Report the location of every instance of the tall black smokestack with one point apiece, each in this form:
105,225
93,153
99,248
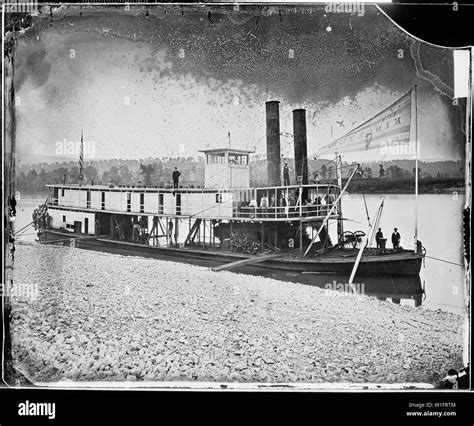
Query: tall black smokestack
273,143
301,149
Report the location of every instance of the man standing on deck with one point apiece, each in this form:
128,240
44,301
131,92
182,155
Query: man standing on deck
396,239
379,238
176,175
286,175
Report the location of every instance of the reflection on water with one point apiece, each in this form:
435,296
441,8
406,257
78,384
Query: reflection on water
400,289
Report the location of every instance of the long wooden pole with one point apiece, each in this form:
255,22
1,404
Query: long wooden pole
366,238
340,225
331,210
300,198
416,167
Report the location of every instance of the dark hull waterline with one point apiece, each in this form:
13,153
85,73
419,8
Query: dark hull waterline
336,262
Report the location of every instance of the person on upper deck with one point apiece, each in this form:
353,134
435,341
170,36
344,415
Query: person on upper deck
331,197
253,203
272,205
264,205
281,206
286,175
176,175
308,208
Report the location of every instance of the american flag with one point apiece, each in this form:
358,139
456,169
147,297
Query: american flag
81,158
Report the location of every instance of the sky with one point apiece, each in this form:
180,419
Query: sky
172,84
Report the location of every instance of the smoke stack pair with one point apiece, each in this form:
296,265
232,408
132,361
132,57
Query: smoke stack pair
273,144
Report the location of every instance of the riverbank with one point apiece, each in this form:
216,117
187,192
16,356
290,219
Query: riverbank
406,186
95,316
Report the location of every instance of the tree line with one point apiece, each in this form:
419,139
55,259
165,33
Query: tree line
157,172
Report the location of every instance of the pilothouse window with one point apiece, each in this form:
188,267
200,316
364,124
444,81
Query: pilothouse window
239,159
216,158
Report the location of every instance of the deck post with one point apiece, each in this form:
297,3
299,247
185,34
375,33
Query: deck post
111,218
301,236
204,233
176,230
275,207
213,236
262,237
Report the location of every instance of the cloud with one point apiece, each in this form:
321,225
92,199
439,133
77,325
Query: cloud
145,87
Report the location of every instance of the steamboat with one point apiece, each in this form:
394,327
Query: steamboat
228,224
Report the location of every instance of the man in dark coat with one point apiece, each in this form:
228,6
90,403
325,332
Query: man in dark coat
176,175
379,238
286,175
396,239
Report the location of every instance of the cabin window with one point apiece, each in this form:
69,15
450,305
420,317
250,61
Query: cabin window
239,159
178,204
218,198
102,203
62,192
129,202
160,203
142,203
216,158
64,219
88,198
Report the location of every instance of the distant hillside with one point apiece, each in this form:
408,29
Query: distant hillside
395,170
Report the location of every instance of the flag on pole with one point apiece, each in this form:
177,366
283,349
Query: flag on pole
388,132
81,158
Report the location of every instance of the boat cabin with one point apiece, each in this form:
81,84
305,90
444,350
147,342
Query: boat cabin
74,203
226,168
226,196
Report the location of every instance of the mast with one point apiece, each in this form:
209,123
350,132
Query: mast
81,158
416,166
340,228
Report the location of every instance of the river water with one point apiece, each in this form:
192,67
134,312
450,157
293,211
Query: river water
440,285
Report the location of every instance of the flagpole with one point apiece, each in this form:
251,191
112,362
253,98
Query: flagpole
416,167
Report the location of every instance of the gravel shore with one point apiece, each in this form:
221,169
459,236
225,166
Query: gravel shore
98,316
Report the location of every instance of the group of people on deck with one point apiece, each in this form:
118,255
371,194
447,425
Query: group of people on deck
380,240
286,205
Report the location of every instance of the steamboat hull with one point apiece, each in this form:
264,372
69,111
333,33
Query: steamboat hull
405,262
